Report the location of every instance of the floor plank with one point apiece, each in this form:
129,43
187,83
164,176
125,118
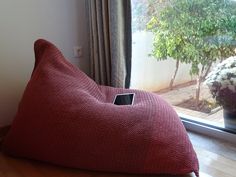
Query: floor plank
14,167
217,161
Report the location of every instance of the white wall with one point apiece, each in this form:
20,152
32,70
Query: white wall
148,73
62,22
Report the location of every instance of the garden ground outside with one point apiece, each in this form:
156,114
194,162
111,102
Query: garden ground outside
181,94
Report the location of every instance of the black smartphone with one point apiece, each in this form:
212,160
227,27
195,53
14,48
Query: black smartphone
124,99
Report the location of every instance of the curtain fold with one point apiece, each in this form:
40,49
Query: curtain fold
110,41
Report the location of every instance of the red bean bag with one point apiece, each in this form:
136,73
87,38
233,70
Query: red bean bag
65,118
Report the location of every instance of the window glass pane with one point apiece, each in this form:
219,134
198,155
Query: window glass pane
176,44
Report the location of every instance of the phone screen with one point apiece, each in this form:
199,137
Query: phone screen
124,99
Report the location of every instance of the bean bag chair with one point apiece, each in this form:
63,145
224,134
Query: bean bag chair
65,118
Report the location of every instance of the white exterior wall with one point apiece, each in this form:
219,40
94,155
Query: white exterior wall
148,73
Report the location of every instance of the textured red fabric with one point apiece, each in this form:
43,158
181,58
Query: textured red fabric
67,119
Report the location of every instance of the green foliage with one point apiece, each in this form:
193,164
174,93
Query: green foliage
139,15
143,11
197,32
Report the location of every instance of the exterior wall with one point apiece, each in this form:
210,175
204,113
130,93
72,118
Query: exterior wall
62,22
148,73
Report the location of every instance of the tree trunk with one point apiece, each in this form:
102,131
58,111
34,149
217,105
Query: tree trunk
198,86
198,90
175,73
221,59
207,70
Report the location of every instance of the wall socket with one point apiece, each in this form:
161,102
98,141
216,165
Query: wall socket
78,51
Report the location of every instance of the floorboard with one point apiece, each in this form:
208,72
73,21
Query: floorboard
217,159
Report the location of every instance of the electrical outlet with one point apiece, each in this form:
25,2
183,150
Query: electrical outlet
78,51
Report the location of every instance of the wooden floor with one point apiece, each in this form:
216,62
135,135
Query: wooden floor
217,159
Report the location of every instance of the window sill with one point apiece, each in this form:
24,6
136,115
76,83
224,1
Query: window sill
208,128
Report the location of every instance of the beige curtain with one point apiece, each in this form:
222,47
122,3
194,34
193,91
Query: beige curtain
110,41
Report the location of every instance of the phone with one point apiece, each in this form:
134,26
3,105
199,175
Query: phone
124,99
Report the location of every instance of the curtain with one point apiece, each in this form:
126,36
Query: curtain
110,41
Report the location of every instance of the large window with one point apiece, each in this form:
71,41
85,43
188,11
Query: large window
176,44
